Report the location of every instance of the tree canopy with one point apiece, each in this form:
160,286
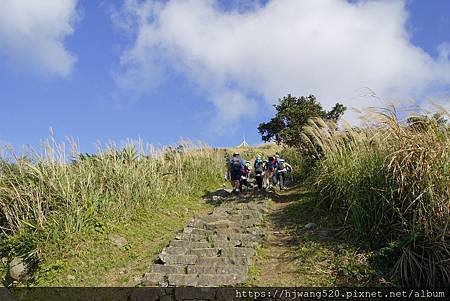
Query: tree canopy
292,115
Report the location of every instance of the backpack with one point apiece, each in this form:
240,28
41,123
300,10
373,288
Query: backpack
235,164
271,164
281,165
259,166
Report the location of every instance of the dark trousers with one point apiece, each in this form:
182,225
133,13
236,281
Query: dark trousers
259,180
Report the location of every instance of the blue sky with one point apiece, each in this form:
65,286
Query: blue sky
205,70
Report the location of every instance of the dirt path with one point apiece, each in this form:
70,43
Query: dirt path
279,267
277,264
295,255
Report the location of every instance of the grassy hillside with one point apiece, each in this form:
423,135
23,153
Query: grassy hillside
57,212
390,183
385,187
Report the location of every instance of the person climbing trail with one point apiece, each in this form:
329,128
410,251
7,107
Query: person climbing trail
236,166
269,172
259,171
245,175
275,165
282,169
248,168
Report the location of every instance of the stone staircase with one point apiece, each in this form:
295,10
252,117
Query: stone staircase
214,249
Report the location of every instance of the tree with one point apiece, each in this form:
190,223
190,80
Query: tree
292,115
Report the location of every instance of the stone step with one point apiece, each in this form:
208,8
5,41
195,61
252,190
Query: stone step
219,269
194,237
182,279
242,218
189,244
168,269
197,223
169,259
175,250
205,252
222,224
205,280
237,252
197,231
237,238
219,261
230,251
203,219
208,280
153,279
214,249
217,243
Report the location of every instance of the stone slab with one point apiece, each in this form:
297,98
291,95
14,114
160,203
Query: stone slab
205,252
216,261
219,269
168,269
207,280
237,252
178,259
189,244
153,279
182,280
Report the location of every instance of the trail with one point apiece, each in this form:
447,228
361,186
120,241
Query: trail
259,239
278,265
214,249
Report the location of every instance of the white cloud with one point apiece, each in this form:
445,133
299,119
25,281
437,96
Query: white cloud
32,34
329,48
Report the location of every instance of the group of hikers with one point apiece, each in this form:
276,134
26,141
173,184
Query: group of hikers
268,172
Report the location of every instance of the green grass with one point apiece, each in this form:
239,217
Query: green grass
93,261
254,271
331,261
334,264
57,213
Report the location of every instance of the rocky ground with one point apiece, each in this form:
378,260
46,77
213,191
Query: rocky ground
214,249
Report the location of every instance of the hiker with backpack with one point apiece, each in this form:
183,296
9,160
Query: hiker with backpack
246,171
269,172
281,170
259,171
236,167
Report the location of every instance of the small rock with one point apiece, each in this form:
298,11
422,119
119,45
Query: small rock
117,240
18,269
70,277
310,226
